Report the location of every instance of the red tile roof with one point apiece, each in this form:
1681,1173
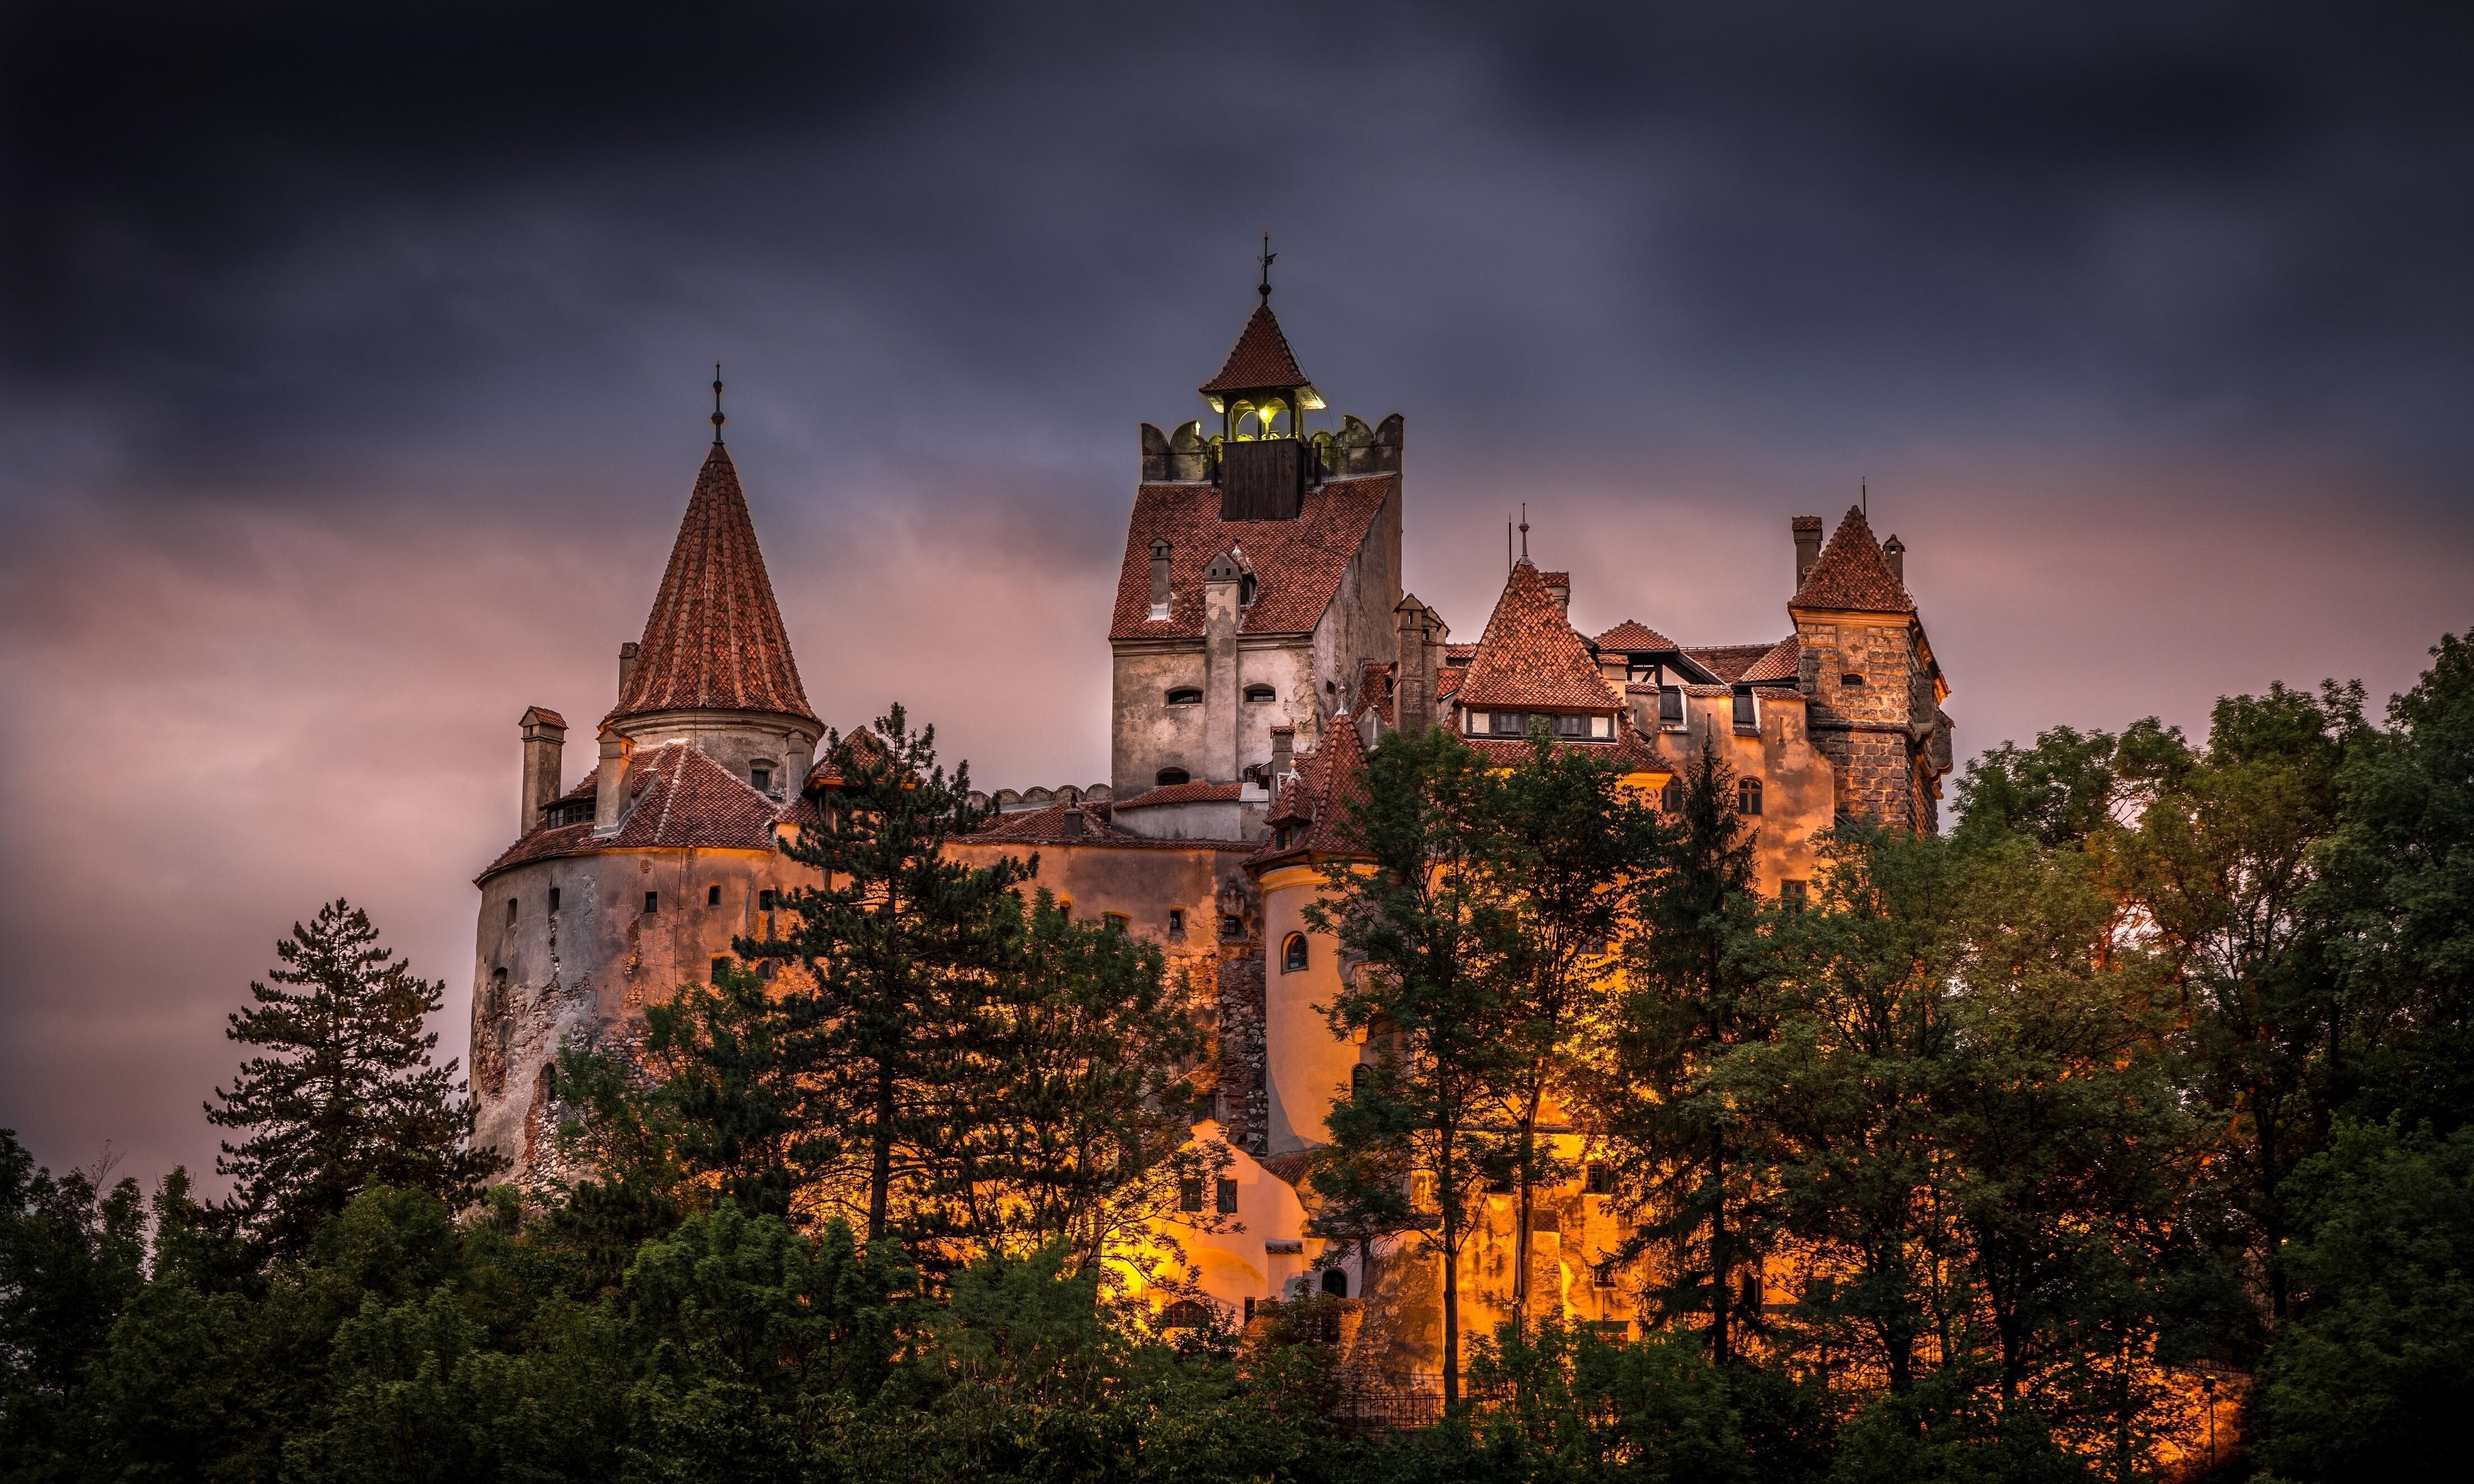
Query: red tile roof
679,800
1727,662
1183,794
1297,564
1531,656
1374,690
1259,360
1851,576
1329,781
714,640
1630,635
1048,827
1459,654
1780,663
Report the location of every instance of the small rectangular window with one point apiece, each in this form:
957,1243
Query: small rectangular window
1232,927
1177,919
1747,718
553,901
1791,895
1599,1180
712,896
511,911
1117,922
1479,722
719,964
1189,1195
1227,1202
1603,1274
1602,727
765,901
1510,723
762,777
652,901
1670,705
1571,726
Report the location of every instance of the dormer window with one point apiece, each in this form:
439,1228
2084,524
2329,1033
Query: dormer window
760,777
1748,715
1671,707
1258,695
1245,591
1185,695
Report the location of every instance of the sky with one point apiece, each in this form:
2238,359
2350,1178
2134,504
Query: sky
356,363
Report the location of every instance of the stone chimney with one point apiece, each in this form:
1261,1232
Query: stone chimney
1161,595
610,783
1220,616
1073,824
1895,552
545,733
1284,756
1558,585
626,664
1807,546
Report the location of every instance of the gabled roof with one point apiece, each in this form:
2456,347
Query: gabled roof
1297,564
1530,654
1259,360
714,640
1635,637
1851,576
1728,662
679,800
1780,663
1184,793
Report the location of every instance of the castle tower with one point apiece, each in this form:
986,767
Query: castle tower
1873,688
640,878
1262,565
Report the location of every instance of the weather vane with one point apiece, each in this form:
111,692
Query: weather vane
1265,287
717,417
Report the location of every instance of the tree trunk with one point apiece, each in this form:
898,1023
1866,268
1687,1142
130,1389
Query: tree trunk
880,1174
1721,1258
1445,1203
1526,1194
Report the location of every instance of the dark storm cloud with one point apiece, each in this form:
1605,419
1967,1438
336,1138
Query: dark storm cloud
351,364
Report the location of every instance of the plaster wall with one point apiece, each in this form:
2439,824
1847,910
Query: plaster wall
1799,784
733,739
1241,1263
1306,1066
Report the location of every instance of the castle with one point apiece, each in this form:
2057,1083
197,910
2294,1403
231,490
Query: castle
1261,642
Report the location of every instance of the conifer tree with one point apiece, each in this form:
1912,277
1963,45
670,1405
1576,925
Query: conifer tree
1684,1008
902,946
1438,949
343,1095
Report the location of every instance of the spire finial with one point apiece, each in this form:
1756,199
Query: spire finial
717,417
1524,530
1264,288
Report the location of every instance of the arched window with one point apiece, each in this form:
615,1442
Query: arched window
1748,796
1671,797
1259,694
1171,775
1185,695
1335,1283
1184,1314
1292,953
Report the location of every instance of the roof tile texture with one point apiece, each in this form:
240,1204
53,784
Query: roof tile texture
1259,360
679,800
1851,576
1297,564
1530,654
1630,635
714,640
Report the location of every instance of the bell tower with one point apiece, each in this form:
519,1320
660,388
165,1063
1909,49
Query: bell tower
1261,399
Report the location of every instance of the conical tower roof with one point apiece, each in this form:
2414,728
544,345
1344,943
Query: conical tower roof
714,640
1259,360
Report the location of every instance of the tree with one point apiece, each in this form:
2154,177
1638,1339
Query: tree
899,948
1072,1123
70,1261
1436,944
1563,847
1684,1005
346,1096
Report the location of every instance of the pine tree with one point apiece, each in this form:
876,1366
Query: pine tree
344,1096
902,948
1412,1149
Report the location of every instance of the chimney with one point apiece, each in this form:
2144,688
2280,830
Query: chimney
1807,546
610,783
1413,682
1558,585
1895,552
545,733
1221,577
626,664
1284,759
1073,824
1160,593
